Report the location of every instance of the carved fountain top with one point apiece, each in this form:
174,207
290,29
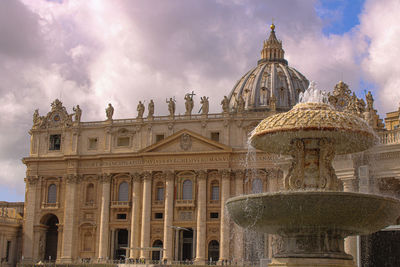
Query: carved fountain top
348,132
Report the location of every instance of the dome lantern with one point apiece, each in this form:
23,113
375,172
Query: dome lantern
272,85
272,49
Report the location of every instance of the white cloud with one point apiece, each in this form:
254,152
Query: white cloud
381,30
95,52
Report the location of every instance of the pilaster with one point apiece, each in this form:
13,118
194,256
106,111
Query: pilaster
201,218
238,245
146,215
105,179
168,216
69,218
135,219
224,228
28,233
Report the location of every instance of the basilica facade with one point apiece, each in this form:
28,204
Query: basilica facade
154,187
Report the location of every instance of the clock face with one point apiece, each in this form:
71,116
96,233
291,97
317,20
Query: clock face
56,118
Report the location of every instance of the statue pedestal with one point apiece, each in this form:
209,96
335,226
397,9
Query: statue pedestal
310,262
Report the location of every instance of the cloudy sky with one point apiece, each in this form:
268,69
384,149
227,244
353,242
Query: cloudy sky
94,52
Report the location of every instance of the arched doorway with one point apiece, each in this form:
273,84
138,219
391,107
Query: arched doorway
48,242
213,250
156,254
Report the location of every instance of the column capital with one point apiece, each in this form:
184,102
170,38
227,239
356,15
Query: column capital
32,180
239,174
105,178
146,176
225,173
169,175
201,174
73,178
135,176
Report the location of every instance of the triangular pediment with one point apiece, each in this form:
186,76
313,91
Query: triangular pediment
186,141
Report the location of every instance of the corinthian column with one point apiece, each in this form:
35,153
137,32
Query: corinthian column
201,218
224,239
238,247
168,216
105,179
146,215
69,218
29,218
135,219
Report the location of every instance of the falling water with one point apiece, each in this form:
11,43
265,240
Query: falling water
313,95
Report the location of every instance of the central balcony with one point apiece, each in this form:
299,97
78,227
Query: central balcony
120,204
185,203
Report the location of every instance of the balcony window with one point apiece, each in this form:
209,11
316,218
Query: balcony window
214,192
123,192
52,194
187,190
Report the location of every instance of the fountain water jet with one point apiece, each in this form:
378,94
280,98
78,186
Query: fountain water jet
313,216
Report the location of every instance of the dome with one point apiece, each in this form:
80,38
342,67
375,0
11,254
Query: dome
272,84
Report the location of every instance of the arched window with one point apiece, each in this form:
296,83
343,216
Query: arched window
187,190
156,253
90,193
52,194
160,191
213,250
214,190
256,186
123,192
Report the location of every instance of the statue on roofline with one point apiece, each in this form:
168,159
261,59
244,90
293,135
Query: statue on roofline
151,109
140,110
109,111
78,113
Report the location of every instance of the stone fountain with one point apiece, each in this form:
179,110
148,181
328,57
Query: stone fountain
313,215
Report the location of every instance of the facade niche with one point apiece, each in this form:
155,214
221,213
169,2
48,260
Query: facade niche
90,193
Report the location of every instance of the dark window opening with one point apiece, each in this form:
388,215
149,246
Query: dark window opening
121,216
8,250
123,141
214,215
158,215
215,136
159,137
92,143
55,142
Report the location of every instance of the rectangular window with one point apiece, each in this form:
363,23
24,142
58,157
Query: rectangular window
92,143
55,142
215,136
215,192
159,137
160,193
123,141
158,215
121,216
214,215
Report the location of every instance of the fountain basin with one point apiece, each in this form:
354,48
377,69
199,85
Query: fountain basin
351,213
348,132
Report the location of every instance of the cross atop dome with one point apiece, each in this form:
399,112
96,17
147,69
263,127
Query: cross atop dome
272,50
